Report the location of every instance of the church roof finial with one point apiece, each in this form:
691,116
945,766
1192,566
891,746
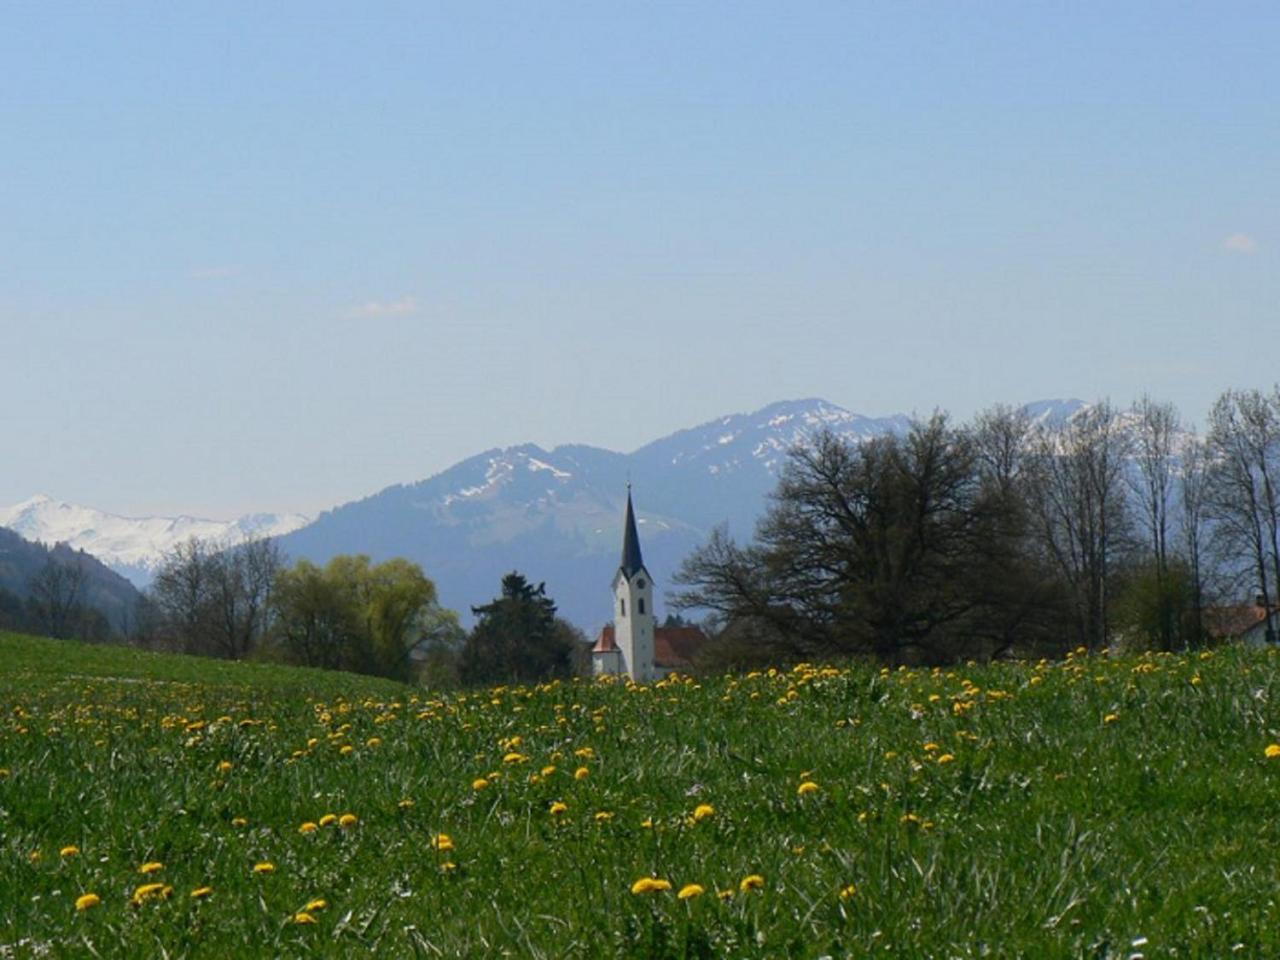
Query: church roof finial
631,559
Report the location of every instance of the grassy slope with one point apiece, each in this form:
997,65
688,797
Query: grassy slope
1053,831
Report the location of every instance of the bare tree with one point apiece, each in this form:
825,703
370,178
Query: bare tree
1242,494
1078,499
55,596
1192,474
1157,428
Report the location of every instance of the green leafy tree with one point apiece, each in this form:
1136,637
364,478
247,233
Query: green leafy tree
516,638
352,614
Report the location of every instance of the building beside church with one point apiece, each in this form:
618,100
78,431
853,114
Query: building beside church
634,644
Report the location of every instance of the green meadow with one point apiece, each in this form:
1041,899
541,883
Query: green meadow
157,805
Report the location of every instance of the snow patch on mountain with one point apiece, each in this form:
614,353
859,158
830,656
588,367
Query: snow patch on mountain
132,546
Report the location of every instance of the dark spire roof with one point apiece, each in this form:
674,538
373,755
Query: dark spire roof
631,559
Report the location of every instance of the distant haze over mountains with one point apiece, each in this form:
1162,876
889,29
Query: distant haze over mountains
554,515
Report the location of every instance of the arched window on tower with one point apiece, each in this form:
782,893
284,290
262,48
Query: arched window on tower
641,602
622,607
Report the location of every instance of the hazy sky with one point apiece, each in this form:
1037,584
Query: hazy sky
273,256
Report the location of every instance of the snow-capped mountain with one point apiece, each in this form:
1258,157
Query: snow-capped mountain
132,546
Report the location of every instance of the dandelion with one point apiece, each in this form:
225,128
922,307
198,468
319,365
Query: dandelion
807,788
264,867
308,827
1272,751
442,842
71,850
603,816
946,758
1111,718
585,753
328,820
302,917
405,804
702,811
724,894
87,901
150,891
558,808
848,892
650,885
224,766
581,773
346,749
514,757
690,890
348,820
479,783
647,823
373,742
239,822
315,905
752,881
199,893
151,866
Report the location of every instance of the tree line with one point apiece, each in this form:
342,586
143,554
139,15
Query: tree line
1004,536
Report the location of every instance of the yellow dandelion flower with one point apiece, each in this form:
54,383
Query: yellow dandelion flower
690,890
1111,718
308,827
1272,751
647,823
150,891
603,816
581,773
264,867
405,804
373,742
946,758
199,893
930,747
442,842
558,808
71,850
585,753
447,866
479,783
514,757
151,866
752,881
702,811
224,766
548,770
348,820
650,885
328,820
724,894
346,749
239,822
807,788
303,917
87,901
848,892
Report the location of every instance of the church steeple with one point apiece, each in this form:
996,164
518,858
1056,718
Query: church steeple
632,562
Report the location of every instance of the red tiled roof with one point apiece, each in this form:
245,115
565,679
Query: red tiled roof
1224,622
673,647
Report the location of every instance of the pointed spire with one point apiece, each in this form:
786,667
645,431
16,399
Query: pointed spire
631,559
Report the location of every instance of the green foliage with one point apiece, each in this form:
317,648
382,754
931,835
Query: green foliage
355,615
1062,810
1155,609
516,638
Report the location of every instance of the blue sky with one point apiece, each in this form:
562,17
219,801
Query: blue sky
277,256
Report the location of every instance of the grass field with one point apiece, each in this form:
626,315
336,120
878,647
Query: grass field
1090,808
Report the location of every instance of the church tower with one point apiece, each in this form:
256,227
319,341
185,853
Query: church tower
633,621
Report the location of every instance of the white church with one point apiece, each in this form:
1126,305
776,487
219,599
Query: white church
634,645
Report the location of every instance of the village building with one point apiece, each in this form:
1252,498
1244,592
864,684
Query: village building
634,645
1246,623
